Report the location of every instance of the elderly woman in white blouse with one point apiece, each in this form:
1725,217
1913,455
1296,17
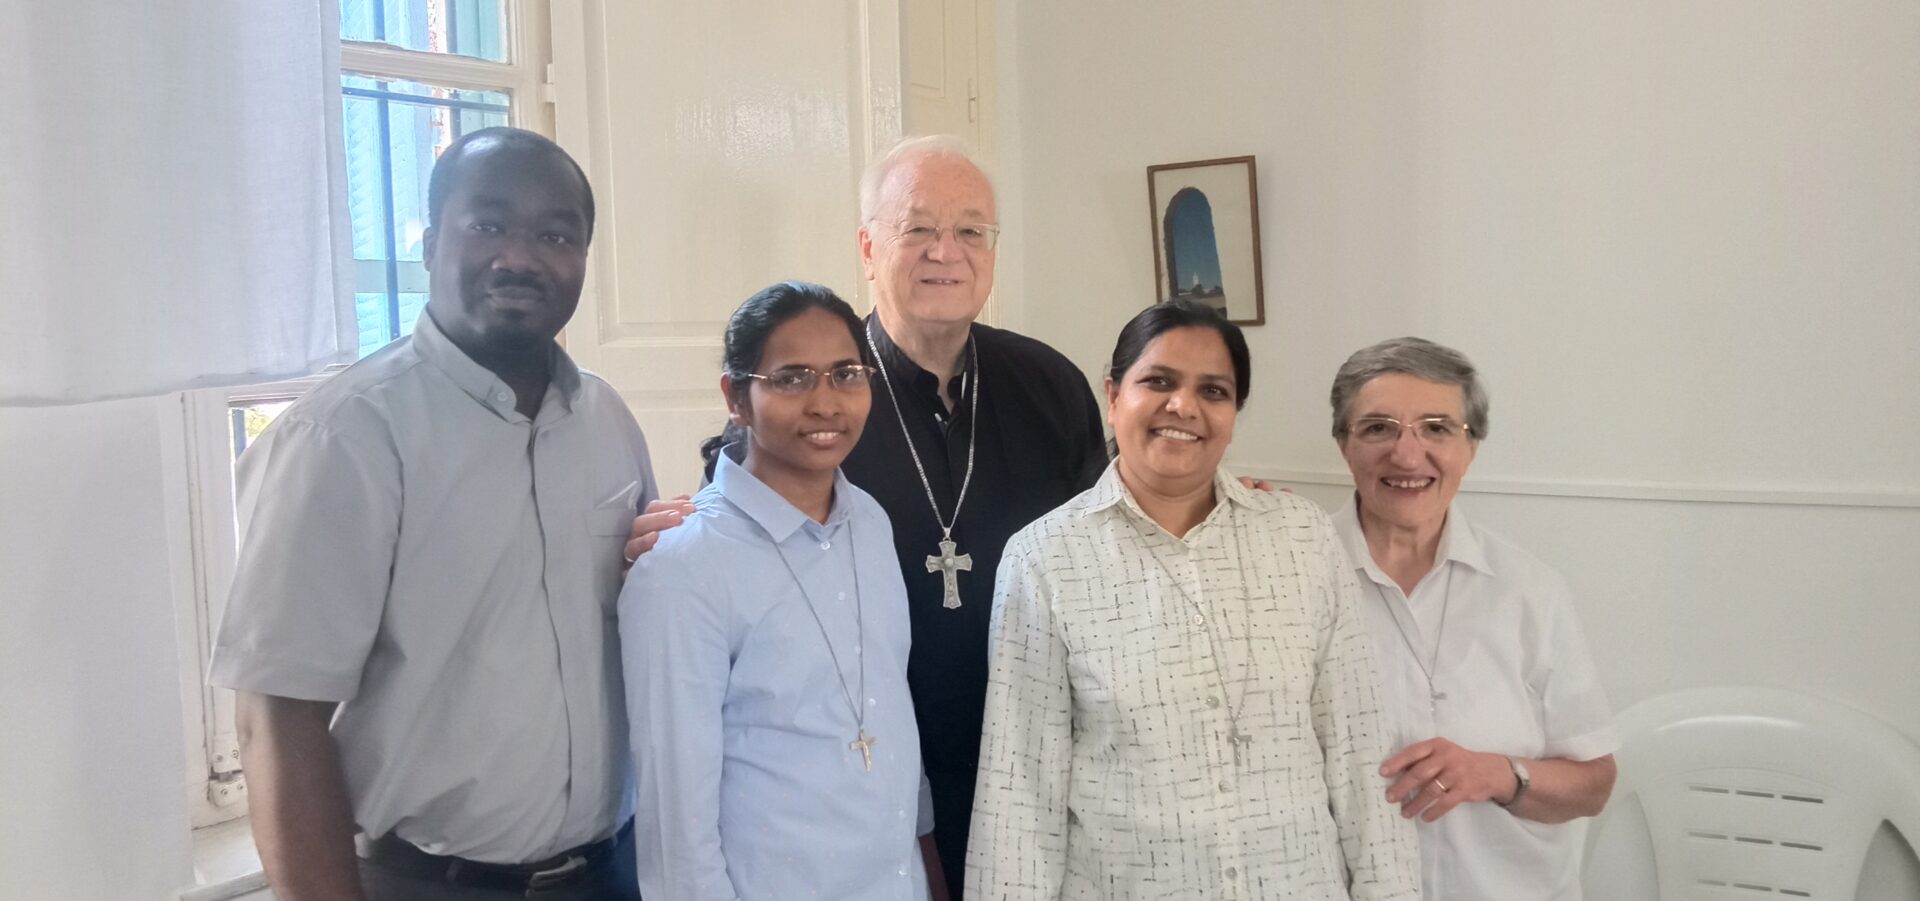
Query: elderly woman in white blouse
1181,702
1500,729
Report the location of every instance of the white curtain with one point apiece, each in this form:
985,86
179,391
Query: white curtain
172,196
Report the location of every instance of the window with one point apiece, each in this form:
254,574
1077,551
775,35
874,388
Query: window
415,75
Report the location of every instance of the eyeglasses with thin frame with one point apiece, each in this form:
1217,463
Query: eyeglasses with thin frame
802,379
971,235
1433,431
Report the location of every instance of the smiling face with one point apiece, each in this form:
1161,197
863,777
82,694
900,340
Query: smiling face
941,283
508,253
801,438
1408,484
1173,410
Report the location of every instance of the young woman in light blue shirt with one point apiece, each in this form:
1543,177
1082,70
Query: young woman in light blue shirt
765,643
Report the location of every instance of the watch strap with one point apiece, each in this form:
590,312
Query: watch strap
1522,781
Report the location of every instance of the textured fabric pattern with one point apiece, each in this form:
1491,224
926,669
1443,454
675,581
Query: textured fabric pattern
1107,769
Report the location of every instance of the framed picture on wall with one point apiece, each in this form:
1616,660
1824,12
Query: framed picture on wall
1206,235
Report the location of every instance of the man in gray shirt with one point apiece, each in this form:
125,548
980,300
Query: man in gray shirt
421,627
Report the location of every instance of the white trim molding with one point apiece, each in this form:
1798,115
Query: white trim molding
1633,491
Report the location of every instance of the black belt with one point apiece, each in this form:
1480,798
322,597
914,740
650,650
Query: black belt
564,869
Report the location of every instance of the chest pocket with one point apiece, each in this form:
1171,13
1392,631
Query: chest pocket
607,531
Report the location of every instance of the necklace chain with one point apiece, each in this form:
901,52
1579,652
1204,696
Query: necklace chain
973,431
860,629
1446,602
1213,644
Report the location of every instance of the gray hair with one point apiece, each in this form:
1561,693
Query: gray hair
1416,357
924,145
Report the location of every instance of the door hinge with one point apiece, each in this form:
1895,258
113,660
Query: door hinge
227,789
227,784
226,753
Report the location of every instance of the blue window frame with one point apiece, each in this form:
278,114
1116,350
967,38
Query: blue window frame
473,28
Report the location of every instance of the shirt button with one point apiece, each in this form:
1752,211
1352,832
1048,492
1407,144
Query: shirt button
1231,872
1226,786
502,397
1199,619
826,545
1213,702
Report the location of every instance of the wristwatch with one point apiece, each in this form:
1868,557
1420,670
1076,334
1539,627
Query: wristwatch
1522,779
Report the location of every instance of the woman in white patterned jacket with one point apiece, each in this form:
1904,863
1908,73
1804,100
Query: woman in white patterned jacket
1181,702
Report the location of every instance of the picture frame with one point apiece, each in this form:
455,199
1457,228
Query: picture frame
1206,235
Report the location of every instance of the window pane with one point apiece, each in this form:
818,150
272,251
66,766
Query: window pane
464,27
394,131
246,422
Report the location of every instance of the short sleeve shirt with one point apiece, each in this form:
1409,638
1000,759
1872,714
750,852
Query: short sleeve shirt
1512,676
447,569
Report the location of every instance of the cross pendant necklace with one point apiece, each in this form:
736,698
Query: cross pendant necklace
1237,740
1434,694
864,743
865,747
949,563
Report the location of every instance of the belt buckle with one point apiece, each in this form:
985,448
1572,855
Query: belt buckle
554,877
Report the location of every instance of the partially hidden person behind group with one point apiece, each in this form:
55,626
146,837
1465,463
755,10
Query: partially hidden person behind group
977,431
1501,732
421,622
766,642
1183,700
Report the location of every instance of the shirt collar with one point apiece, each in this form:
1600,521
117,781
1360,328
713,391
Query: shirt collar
481,383
766,507
910,373
1111,491
1458,541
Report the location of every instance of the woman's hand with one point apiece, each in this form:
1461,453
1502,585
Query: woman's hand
1436,775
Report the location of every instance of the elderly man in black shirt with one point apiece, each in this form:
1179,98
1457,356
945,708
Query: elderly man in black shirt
975,432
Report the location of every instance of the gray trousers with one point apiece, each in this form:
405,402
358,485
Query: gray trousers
613,882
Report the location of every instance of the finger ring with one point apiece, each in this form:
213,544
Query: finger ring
1441,785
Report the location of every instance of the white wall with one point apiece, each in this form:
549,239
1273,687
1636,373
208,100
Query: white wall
726,140
1682,241
90,765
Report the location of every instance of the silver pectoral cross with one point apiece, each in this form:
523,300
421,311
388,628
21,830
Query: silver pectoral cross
865,747
948,565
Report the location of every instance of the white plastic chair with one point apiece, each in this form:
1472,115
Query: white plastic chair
1750,793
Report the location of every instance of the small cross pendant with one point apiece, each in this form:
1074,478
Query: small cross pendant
1239,740
949,564
865,747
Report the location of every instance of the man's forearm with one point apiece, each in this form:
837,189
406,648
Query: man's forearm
302,821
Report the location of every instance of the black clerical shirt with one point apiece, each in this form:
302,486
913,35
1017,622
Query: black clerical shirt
1040,442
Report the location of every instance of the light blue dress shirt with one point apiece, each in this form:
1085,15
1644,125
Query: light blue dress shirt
749,787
